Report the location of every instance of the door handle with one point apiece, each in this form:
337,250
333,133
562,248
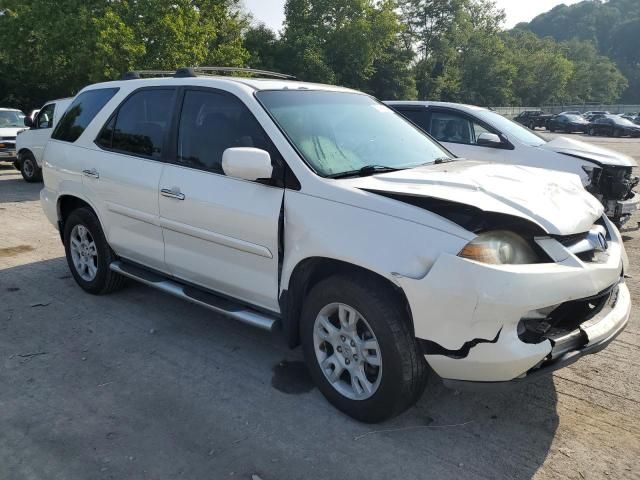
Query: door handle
169,193
93,173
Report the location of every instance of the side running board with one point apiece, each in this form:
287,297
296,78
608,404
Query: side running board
208,300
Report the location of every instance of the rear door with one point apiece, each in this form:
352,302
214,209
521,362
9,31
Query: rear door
220,232
124,174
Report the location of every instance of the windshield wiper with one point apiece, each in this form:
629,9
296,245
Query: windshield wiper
440,160
365,171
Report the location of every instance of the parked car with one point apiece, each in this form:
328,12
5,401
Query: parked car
568,123
320,209
593,117
30,143
596,112
488,136
533,119
11,122
614,126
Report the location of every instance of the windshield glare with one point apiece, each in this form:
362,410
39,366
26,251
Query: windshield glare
339,132
510,129
11,119
624,122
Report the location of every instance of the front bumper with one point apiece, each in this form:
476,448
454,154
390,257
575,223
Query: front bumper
600,332
8,154
621,210
467,314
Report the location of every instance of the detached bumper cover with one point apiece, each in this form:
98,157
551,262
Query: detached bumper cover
466,313
600,331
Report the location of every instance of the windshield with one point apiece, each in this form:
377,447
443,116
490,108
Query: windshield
339,132
511,130
11,119
575,118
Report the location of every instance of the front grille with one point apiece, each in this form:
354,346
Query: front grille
591,246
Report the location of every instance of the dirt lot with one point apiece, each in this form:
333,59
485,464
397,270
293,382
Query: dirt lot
141,385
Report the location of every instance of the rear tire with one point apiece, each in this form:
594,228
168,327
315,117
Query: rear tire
383,323
88,253
29,168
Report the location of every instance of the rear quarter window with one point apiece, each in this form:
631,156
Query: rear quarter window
81,112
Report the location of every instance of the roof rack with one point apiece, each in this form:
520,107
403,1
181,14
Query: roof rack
185,72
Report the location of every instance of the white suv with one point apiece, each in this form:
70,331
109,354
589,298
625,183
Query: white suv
30,143
321,210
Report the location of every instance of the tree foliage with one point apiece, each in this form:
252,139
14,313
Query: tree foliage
612,27
50,49
452,50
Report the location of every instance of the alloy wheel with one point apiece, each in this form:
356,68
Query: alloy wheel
347,351
84,253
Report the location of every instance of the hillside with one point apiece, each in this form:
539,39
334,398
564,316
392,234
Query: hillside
613,26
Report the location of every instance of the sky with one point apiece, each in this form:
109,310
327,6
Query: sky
271,11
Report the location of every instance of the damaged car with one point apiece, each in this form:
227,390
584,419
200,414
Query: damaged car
481,134
321,212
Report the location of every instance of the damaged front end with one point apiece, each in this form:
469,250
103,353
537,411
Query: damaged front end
480,324
613,185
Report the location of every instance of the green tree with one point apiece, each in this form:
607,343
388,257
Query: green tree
52,49
543,72
351,42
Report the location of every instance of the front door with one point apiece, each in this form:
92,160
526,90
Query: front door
220,232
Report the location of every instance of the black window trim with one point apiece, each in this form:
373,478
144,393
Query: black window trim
289,179
167,134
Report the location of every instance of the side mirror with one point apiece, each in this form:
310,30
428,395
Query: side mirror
28,122
487,139
246,163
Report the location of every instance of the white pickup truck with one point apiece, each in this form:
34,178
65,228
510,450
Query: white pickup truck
30,142
11,122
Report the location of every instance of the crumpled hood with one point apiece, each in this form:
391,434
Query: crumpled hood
556,201
10,131
589,151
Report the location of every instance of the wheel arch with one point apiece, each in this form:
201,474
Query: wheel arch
307,273
66,204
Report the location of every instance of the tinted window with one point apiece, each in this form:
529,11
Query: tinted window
417,116
140,124
210,123
45,117
80,113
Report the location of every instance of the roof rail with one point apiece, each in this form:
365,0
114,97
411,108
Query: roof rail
195,71
264,73
137,74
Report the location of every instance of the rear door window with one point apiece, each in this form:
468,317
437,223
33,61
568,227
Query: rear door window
418,116
81,112
140,124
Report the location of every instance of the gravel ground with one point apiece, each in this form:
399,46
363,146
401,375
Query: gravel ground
144,386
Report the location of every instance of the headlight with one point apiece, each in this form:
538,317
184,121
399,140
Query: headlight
500,247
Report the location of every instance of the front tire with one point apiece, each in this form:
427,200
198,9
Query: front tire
360,349
88,253
29,168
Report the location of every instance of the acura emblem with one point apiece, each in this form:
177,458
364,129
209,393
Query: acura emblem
598,239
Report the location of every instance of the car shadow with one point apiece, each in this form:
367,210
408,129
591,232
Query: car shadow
138,383
13,188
